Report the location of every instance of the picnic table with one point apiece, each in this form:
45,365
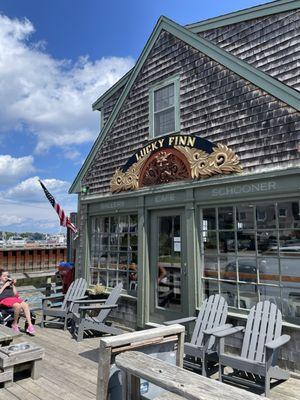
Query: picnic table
7,335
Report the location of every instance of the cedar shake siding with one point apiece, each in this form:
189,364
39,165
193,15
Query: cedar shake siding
109,105
269,43
215,103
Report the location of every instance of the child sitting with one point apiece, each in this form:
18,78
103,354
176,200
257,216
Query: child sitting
9,297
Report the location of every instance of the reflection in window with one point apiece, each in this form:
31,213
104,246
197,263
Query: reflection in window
113,252
252,252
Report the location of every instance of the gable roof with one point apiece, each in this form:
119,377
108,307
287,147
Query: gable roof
246,71
274,7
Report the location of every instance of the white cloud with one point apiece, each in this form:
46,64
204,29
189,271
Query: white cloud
51,98
13,168
30,190
7,220
24,207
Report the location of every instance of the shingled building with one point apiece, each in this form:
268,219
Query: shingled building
193,184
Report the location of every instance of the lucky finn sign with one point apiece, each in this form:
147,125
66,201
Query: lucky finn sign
174,158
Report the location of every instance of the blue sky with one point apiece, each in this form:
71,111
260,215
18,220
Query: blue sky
56,58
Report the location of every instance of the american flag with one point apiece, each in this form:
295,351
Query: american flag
64,219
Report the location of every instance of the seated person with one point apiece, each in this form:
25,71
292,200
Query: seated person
9,298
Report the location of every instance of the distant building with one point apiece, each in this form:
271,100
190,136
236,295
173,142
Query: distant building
33,259
193,184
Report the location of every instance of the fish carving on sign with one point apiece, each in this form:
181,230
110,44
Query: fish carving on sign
174,158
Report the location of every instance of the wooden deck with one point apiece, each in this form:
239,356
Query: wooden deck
69,371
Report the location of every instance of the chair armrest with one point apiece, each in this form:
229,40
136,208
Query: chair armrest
229,332
217,329
95,307
73,301
180,321
280,341
53,297
89,301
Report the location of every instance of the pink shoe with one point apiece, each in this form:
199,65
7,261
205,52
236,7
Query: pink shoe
15,328
30,330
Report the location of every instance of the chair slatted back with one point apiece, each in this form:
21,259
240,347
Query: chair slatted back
264,324
112,299
76,290
212,314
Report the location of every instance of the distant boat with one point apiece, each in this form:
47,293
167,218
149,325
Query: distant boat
16,241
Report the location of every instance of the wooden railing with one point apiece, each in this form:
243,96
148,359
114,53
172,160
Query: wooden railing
181,383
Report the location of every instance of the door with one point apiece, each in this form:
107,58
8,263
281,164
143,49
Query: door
168,285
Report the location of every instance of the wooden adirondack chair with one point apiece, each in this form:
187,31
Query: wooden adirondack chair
211,318
259,353
82,321
61,314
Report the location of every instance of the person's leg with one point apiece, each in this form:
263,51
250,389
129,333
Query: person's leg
26,311
17,309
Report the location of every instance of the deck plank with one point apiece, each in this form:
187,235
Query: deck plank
69,371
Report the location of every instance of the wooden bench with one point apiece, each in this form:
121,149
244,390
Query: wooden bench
165,337
135,366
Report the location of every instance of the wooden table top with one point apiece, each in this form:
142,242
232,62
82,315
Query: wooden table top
7,334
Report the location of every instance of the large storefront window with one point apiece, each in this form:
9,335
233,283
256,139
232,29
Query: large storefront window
114,251
251,252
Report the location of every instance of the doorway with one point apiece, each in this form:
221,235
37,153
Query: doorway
168,268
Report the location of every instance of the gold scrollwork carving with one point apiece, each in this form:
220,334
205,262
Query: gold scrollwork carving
128,180
221,161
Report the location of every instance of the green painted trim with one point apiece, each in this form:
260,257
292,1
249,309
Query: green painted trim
176,81
98,104
275,7
270,85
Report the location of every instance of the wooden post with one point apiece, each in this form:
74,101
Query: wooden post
36,369
103,371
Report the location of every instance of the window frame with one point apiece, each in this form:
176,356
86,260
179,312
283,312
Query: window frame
106,270
175,80
281,287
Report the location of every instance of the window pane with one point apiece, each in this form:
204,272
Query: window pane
248,296
225,217
164,97
245,217
211,266
267,243
164,122
268,270
210,288
209,242
229,291
133,224
289,243
209,219
226,242
288,214
123,224
265,216
246,242
228,267
247,269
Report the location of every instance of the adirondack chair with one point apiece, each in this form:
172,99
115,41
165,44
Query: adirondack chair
61,314
211,318
261,342
82,321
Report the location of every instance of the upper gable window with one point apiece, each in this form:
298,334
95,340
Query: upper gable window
164,108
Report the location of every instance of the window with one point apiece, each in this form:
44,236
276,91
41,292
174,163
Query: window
114,251
247,258
164,108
